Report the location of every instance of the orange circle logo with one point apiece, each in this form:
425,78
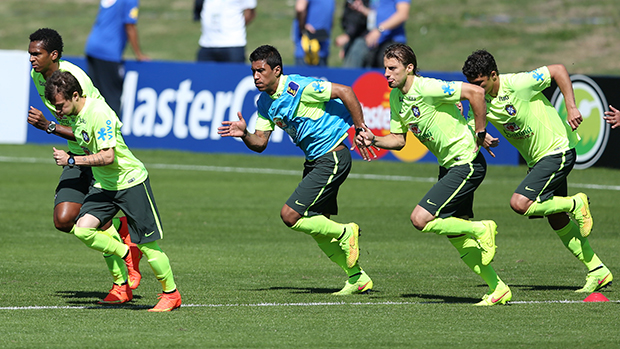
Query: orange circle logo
373,93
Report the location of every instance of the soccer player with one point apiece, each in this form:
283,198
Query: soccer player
45,51
428,108
316,114
122,183
519,110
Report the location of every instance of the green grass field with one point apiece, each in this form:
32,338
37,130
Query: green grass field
249,282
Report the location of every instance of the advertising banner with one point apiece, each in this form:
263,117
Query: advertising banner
173,105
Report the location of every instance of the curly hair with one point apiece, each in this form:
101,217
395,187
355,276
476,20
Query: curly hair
479,63
52,41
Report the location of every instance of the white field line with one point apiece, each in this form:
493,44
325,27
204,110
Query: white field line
312,304
272,171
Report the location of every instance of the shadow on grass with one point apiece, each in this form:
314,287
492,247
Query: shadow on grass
83,298
544,287
435,298
299,289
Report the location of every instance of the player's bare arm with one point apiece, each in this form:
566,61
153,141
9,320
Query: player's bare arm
38,120
102,158
350,101
475,95
254,141
560,75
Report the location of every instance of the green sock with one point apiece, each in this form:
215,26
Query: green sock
556,204
101,241
319,225
117,268
454,226
471,255
578,245
160,264
333,251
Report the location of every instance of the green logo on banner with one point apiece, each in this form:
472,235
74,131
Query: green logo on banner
594,132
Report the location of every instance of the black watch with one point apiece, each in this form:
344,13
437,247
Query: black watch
51,127
482,134
358,130
71,161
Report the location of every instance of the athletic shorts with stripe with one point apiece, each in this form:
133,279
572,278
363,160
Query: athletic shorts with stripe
138,204
547,178
453,194
317,192
73,184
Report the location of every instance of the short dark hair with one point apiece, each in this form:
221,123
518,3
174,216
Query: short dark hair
269,54
62,82
403,54
52,41
479,63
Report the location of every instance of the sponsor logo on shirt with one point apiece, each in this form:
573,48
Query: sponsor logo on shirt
538,76
511,127
292,88
447,88
105,133
318,86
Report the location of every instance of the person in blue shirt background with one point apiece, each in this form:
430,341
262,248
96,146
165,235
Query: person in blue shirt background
312,30
114,26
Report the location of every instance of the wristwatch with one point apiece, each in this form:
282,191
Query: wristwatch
71,161
358,130
51,127
482,134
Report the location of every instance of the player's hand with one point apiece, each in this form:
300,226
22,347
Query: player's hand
61,157
233,128
612,117
489,142
37,119
574,118
363,142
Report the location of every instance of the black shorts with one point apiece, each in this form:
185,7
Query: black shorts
547,178
317,192
138,204
453,194
74,184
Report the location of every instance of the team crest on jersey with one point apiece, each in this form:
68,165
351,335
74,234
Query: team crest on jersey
511,127
414,129
292,88
85,137
511,110
416,111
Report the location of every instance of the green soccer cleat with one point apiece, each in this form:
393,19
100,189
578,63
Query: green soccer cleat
596,281
363,285
487,242
350,244
499,296
582,215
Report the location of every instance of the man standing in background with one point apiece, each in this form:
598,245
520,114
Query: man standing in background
312,30
114,26
223,23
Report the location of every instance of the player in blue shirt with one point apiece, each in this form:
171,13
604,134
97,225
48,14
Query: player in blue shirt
316,114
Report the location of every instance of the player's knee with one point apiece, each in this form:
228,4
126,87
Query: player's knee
288,217
519,206
418,222
64,223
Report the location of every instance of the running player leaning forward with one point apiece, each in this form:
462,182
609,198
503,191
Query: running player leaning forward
427,108
45,51
121,183
519,110
316,114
